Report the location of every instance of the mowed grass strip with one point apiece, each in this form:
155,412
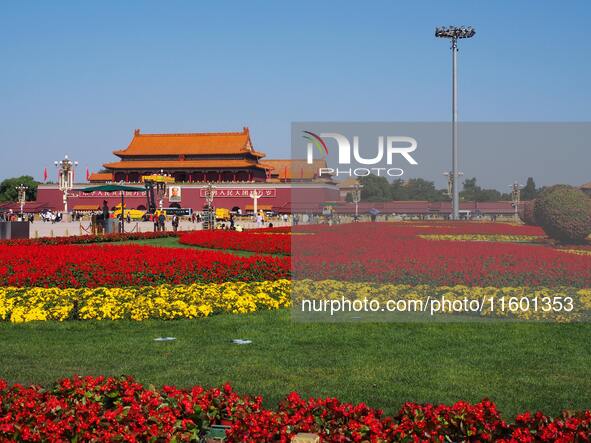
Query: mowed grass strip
520,366
173,242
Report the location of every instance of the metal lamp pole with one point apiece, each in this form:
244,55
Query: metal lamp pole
357,199
255,195
66,178
454,33
516,199
161,190
22,196
209,196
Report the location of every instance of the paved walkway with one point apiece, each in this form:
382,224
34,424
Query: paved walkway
62,229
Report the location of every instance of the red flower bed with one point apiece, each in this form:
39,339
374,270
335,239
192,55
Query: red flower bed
466,227
129,265
393,253
384,252
107,409
261,241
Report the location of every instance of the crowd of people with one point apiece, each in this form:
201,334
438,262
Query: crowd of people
13,216
159,220
104,220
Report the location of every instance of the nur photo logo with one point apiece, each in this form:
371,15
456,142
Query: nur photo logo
376,160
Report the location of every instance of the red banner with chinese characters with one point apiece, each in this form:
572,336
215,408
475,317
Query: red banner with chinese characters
238,192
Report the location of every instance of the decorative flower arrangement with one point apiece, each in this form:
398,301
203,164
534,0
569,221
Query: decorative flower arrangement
513,238
107,409
260,241
164,302
79,266
167,302
395,253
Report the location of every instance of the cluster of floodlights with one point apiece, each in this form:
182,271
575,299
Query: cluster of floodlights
455,32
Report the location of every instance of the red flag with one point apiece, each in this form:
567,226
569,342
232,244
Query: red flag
45,174
285,172
302,173
87,175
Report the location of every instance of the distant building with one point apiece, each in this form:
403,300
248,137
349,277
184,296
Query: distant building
194,157
226,159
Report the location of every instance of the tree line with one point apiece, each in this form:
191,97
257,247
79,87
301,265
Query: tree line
377,189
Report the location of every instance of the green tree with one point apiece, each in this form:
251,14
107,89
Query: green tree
8,186
529,191
398,190
421,189
375,188
473,192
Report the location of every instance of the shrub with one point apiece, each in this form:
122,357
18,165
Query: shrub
526,213
564,213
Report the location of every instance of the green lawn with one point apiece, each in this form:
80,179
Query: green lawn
520,366
173,242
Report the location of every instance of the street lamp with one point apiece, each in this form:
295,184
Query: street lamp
209,194
516,198
161,188
454,33
357,198
450,180
255,195
22,195
65,177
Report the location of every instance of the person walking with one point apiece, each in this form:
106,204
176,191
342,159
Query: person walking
175,222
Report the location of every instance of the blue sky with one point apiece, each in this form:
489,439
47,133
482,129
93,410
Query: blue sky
78,77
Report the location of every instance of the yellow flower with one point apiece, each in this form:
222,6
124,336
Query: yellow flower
141,303
483,237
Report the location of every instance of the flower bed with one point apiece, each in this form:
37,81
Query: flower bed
393,253
167,302
358,252
140,303
485,237
77,266
468,227
266,241
83,239
108,409
416,302
576,251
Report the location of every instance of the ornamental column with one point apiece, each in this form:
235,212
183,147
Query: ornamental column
255,195
65,178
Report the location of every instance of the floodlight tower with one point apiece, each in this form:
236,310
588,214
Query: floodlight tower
454,33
